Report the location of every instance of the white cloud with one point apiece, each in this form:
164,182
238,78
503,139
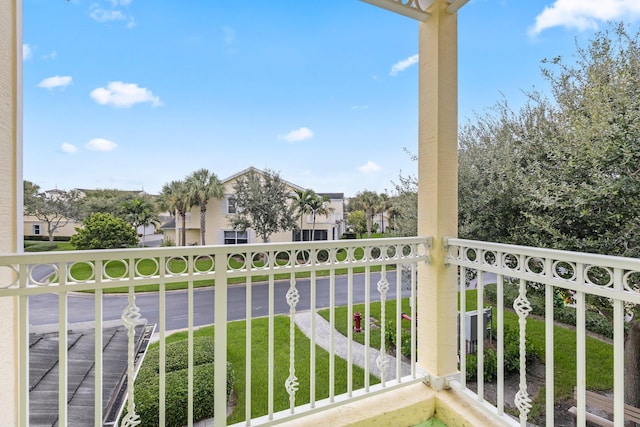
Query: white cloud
120,94
68,148
26,52
99,14
55,81
100,144
52,55
297,135
369,167
584,14
403,65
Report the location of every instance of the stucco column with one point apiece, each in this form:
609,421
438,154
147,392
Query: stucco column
10,197
438,190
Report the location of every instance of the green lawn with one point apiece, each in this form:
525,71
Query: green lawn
236,333
343,323
599,354
599,364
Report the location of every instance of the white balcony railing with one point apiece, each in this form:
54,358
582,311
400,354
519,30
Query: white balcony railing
336,273
614,279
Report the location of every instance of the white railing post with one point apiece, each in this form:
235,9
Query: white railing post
220,339
291,385
383,359
522,307
130,317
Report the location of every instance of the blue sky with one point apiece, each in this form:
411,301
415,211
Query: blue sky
131,94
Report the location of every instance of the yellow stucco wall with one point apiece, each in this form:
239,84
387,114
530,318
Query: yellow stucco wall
10,196
438,187
67,230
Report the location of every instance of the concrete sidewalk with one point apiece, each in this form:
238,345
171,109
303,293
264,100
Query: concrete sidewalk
341,346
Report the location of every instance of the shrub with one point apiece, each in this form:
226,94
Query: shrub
40,247
104,231
511,357
147,383
594,321
167,241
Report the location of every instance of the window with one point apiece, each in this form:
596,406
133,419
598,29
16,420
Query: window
235,237
306,234
36,229
231,206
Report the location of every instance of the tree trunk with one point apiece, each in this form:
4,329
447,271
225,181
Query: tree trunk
203,214
50,230
184,230
632,365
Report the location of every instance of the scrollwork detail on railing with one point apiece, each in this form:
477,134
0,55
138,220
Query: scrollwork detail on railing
413,4
291,384
522,306
130,318
382,361
631,281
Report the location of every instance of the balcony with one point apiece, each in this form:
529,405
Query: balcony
257,281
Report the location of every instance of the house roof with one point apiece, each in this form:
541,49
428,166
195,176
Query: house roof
333,196
44,371
169,225
256,170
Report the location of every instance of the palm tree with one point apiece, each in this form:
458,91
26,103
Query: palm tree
139,212
203,185
174,197
369,202
384,206
318,206
301,200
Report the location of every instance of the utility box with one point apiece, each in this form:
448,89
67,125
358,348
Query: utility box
471,328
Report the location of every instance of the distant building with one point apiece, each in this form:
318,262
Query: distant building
219,211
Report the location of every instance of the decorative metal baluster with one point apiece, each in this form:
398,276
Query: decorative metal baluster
522,306
130,317
291,384
383,360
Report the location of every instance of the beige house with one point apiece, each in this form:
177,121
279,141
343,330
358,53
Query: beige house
37,228
219,211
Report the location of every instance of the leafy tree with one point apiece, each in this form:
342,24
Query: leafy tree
139,212
104,231
174,198
301,202
56,207
107,201
369,202
203,185
385,205
403,212
318,205
357,220
263,204
563,172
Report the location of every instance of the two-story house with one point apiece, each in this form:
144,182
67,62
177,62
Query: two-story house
219,211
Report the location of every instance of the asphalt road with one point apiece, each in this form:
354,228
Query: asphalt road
43,309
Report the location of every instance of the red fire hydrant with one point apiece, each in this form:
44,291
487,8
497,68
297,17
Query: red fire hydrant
357,318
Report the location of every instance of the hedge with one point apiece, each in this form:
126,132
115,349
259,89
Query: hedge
40,247
594,321
176,383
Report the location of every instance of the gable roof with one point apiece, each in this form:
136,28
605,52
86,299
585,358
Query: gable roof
332,196
258,171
